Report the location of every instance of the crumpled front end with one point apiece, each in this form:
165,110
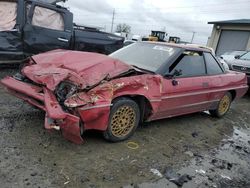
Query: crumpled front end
44,99
76,89
48,79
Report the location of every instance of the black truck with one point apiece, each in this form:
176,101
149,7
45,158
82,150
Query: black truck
30,27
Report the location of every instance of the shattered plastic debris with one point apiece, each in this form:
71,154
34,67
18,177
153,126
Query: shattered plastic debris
132,145
194,134
225,177
200,171
189,153
178,179
67,182
156,172
65,176
221,164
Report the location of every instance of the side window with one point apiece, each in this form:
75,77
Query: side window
191,64
212,65
8,14
47,18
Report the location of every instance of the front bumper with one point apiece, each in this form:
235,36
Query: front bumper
44,99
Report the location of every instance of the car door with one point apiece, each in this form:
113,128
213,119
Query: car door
47,27
11,47
187,91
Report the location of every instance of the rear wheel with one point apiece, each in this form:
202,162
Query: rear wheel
123,120
223,106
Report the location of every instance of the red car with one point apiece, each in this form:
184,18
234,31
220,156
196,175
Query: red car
142,82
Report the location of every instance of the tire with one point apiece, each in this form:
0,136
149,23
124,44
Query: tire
123,120
223,106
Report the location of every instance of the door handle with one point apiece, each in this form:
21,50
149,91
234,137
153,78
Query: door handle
14,30
63,39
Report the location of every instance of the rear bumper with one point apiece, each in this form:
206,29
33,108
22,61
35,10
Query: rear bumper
44,99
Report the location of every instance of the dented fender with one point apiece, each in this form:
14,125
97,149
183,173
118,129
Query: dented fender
94,106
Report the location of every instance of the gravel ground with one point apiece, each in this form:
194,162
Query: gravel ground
204,151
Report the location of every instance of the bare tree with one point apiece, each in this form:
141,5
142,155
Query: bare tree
123,28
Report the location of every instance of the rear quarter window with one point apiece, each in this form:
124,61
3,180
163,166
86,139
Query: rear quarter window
213,66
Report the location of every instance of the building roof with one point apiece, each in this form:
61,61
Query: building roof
240,21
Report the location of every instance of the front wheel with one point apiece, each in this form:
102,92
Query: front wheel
223,106
123,120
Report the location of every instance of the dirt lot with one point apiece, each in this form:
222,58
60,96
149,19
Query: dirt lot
209,152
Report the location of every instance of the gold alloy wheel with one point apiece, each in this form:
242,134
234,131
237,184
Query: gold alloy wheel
123,121
224,104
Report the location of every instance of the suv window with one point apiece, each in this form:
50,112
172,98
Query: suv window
191,64
8,13
47,18
212,65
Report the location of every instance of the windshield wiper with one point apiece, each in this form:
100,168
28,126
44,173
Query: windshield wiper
145,70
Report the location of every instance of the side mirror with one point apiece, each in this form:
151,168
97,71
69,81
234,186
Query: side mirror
237,57
173,75
170,76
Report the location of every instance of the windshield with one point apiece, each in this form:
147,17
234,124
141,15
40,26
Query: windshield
148,56
246,56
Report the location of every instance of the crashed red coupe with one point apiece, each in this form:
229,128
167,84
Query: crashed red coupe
145,81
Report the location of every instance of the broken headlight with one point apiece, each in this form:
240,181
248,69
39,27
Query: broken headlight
65,90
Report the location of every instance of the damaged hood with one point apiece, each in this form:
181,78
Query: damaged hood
82,68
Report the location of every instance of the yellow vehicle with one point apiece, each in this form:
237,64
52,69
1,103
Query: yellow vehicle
160,36
174,40
156,36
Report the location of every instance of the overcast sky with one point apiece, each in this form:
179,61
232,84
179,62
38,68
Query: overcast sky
177,17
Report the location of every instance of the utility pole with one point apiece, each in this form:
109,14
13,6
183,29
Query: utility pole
193,37
113,18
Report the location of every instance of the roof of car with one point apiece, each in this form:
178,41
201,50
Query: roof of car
194,47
